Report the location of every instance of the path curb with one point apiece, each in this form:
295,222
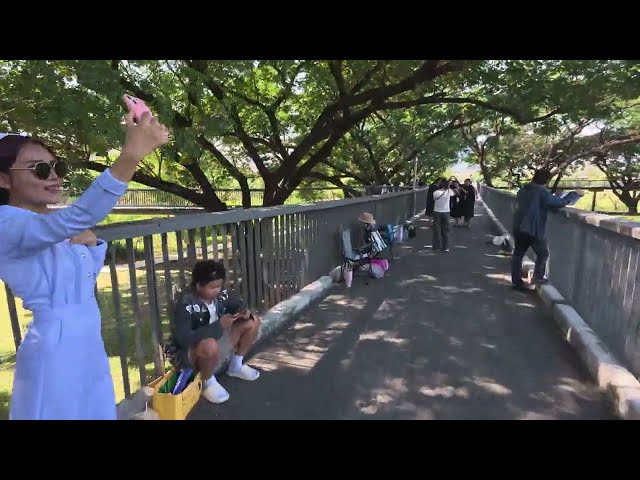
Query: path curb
622,388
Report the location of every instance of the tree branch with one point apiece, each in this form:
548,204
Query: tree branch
153,182
179,120
326,121
473,144
434,99
248,144
335,68
403,162
429,70
334,181
226,163
286,91
345,172
453,125
368,76
231,168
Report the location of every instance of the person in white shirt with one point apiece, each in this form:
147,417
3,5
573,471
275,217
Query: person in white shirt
441,215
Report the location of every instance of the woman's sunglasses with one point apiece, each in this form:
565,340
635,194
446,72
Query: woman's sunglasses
42,170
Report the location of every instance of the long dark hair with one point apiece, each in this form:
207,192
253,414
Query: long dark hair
10,148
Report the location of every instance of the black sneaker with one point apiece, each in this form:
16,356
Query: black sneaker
521,287
539,281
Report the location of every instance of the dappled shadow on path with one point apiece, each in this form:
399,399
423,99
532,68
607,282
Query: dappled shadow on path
441,337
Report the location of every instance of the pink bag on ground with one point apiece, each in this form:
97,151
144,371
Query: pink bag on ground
376,270
378,267
381,262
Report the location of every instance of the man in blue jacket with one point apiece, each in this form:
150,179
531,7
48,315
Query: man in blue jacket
530,224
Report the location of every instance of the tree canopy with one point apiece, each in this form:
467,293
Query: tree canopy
295,122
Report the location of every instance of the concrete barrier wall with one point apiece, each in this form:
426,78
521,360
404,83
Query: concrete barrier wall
595,264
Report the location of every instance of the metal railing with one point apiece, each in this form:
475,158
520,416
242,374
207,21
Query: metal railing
154,198
151,197
269,253
587,184
595,264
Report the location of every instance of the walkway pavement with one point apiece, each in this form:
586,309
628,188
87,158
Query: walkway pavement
441,337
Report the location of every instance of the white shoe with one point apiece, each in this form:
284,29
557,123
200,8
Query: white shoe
245,373
215,394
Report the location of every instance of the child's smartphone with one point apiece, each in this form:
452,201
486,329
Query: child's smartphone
137,106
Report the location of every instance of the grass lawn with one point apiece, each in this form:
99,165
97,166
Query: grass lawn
606,202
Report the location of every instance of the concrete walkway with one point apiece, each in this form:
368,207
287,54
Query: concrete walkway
441,337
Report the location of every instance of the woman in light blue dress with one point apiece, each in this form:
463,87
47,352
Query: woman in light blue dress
51,261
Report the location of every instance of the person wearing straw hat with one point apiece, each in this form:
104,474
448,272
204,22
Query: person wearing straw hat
369,225
372,237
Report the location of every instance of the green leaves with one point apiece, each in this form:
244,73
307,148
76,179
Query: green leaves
288,119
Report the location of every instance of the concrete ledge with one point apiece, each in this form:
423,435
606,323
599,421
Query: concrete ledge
126,409
619,225
291,307
528,265
622,226
336,274
613,378
550,295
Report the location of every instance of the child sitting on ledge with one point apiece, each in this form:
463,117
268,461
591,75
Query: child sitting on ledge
201,315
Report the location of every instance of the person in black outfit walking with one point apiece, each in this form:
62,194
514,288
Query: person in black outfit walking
468,202
430,202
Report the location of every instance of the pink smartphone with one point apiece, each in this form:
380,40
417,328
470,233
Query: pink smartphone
135,105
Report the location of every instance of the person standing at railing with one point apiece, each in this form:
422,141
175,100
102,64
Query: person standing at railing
51,261
533,201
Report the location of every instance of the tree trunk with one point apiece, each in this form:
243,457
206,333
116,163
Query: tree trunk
348,193
246,193
557,182
631,203
213,204
269,195
484,170
209,201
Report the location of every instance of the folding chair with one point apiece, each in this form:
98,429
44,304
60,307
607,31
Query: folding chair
389,237
354,258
